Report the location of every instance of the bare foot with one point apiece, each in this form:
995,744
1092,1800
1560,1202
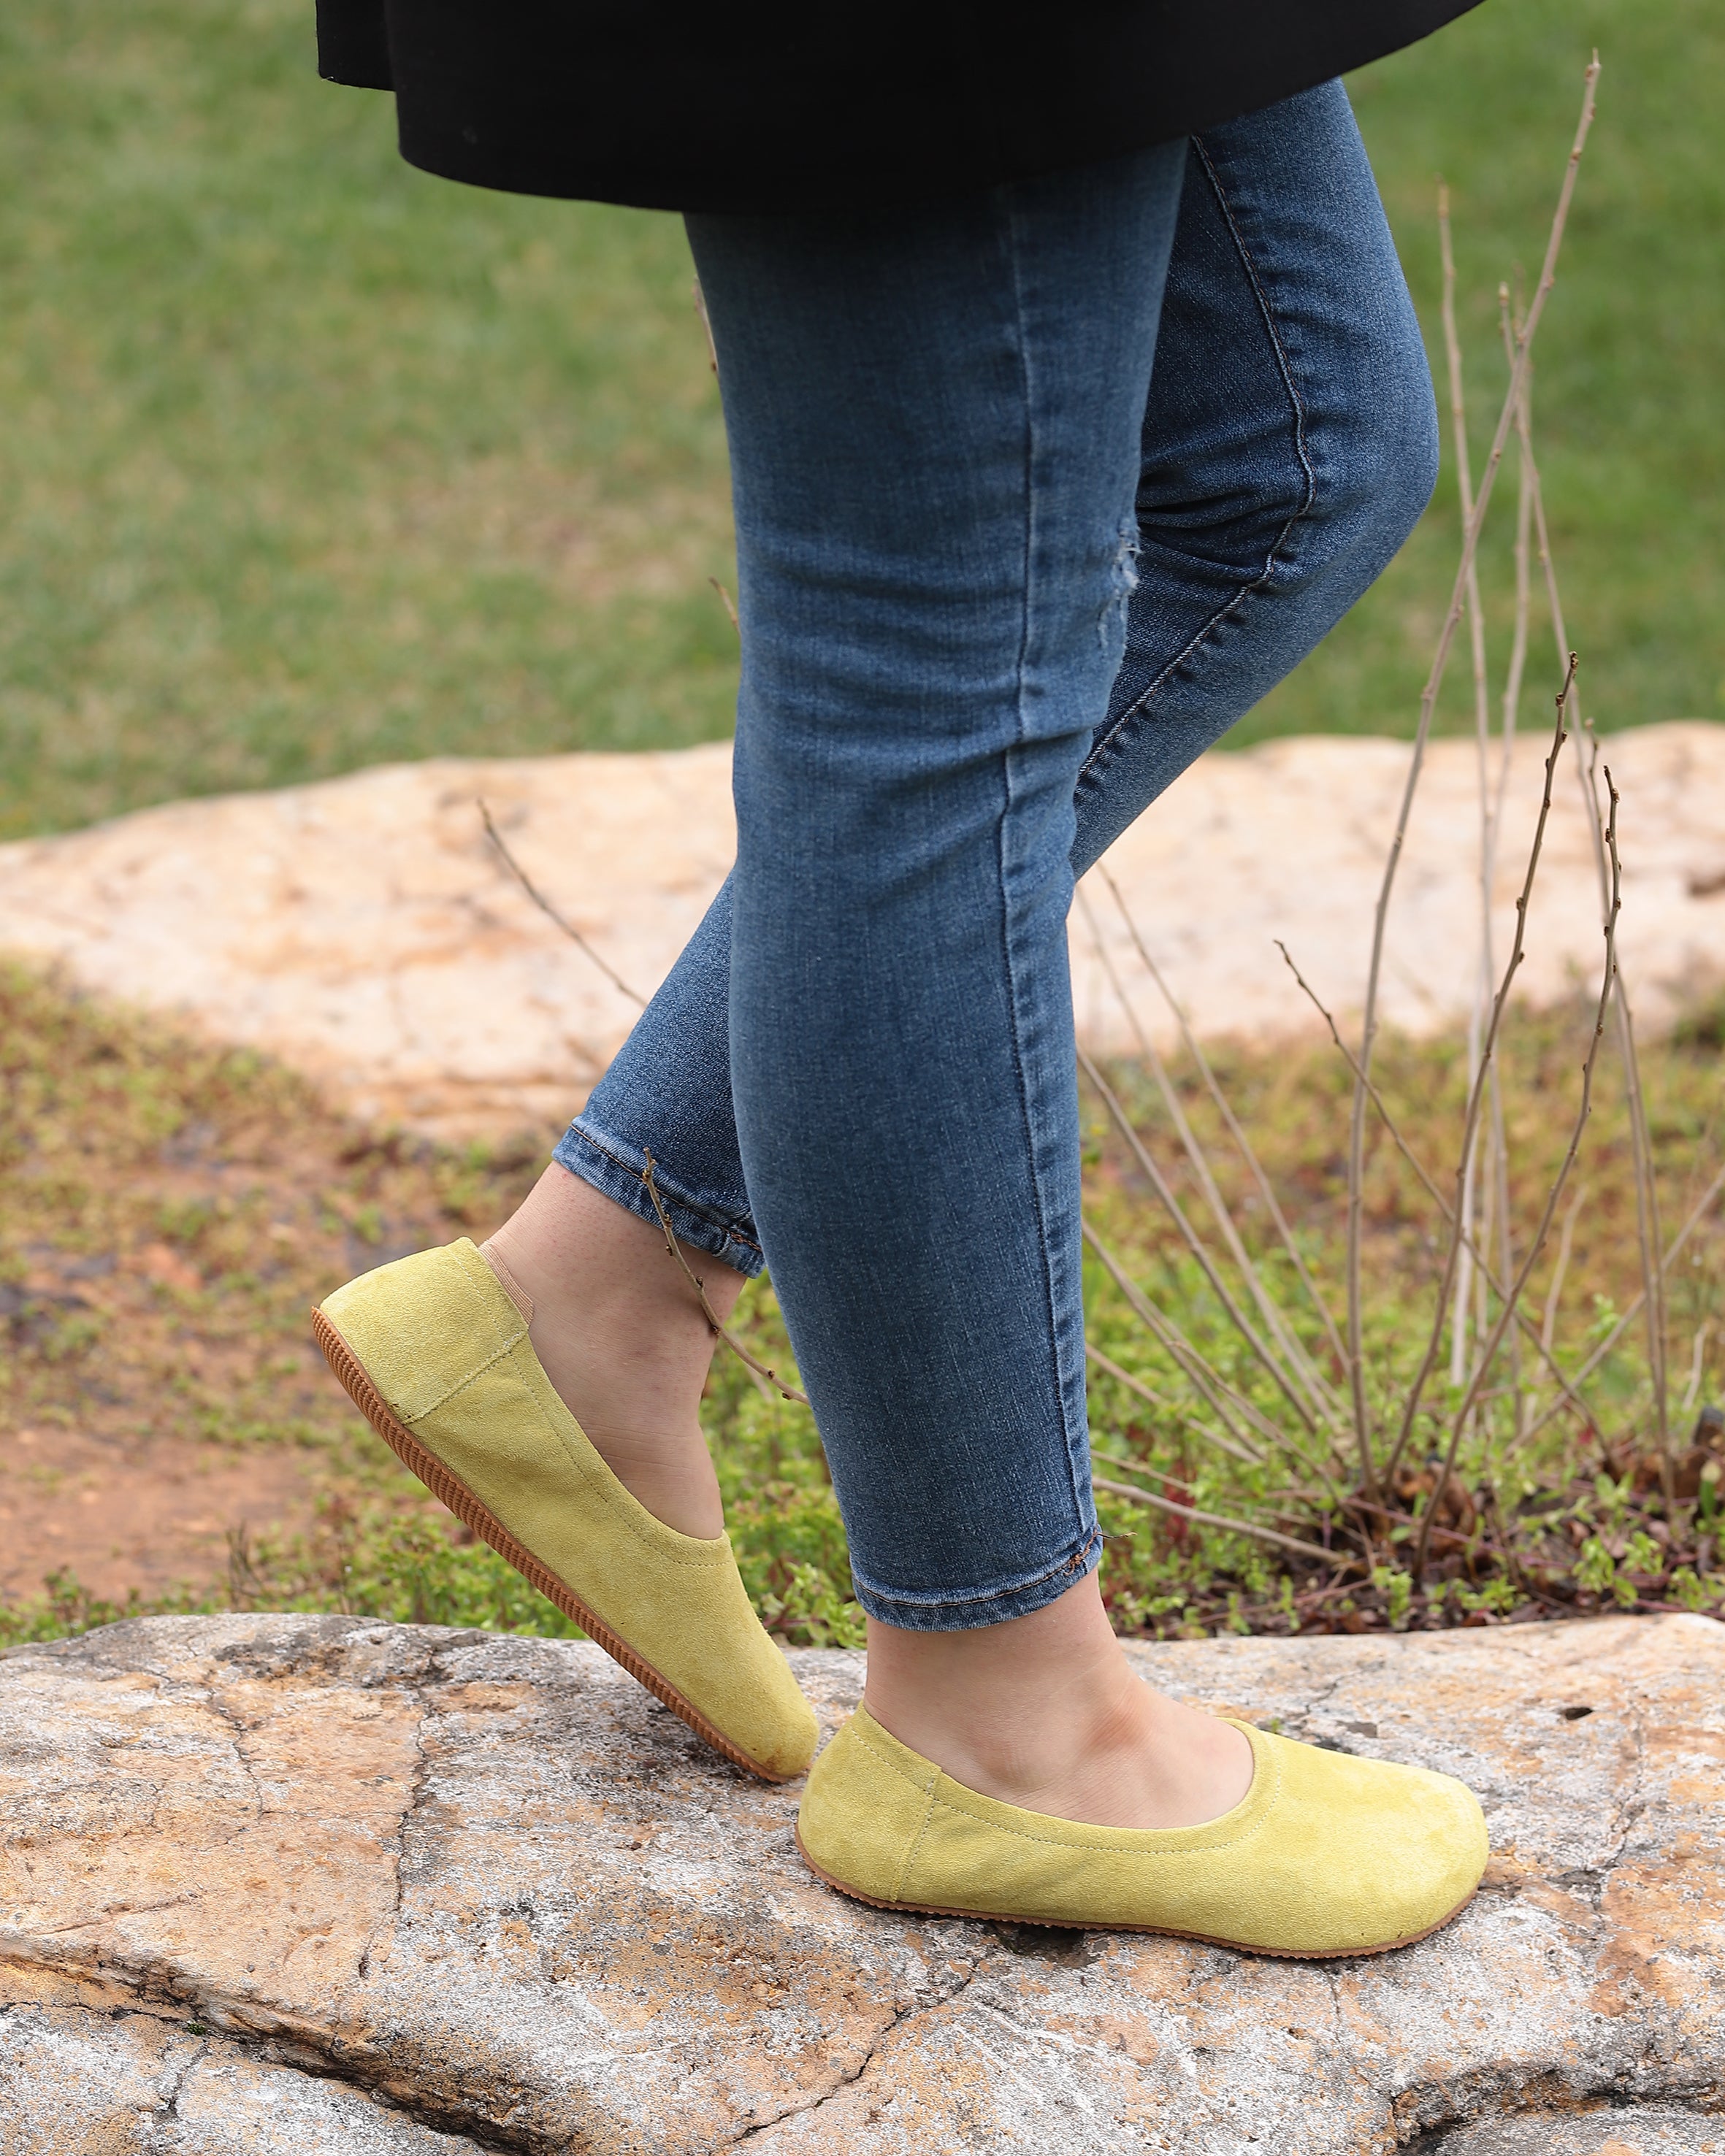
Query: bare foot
1044,1712
622,1337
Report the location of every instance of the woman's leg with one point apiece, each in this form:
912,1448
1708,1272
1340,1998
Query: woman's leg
934,427
1289,445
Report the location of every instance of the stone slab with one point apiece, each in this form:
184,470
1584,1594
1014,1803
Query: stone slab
405,1883
1637,2132
363,929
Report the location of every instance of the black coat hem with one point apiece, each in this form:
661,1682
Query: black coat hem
769,109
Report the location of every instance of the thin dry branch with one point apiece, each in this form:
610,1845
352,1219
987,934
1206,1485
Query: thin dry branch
763,1377
1222,1396
1428,702
1482,1256
550,911
1159,1183
1482,740
1652,1300
1627,1317
1549,1323
1161,1402
1476,1091
1299,1361
1190,1041
1608,981
1215,1520
700,298
729,604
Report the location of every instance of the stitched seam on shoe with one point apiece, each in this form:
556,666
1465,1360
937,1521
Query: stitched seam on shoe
1139,703
915,1844
863,1738
886,1759
460,1384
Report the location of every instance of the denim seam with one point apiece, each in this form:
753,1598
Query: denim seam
668,1191
1284,367
1073,1564
1014,997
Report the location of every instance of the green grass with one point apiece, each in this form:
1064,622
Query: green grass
1626,409
309,461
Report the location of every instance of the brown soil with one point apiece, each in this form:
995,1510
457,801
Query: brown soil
150,1513
169,1214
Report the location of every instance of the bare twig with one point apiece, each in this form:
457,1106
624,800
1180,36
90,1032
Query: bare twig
1476,1091
1691,1391
730,604
1482,736
1628,1317
1428,702
1299,1363
1481,1257
700,298
1190,1040
1524,519
1159,1183
1652,1300
550,911
1215,1520
1549,1323
1160,1401
1607,984
1222,1396
1286,1338
763,1377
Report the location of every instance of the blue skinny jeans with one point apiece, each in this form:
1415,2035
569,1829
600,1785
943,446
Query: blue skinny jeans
1002,579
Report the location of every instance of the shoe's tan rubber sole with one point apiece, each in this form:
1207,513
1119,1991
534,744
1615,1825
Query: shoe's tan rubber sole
350,1375
1161,1930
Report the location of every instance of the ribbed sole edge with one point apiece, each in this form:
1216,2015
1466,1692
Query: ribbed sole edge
1160,1931
350,1374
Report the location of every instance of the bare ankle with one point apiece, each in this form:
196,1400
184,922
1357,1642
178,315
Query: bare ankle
620,1334
1044,1712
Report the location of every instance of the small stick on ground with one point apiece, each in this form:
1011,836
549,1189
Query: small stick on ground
763,1377
550,911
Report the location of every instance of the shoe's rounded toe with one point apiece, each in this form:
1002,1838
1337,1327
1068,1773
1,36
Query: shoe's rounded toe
1368,1854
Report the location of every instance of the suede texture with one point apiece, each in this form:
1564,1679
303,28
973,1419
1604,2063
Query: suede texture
449,1352
1325,1855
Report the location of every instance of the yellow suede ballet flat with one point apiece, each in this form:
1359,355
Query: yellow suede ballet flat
1325,1855
436,1357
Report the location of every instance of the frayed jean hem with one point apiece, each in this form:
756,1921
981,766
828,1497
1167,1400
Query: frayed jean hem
995,1605
619,1170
